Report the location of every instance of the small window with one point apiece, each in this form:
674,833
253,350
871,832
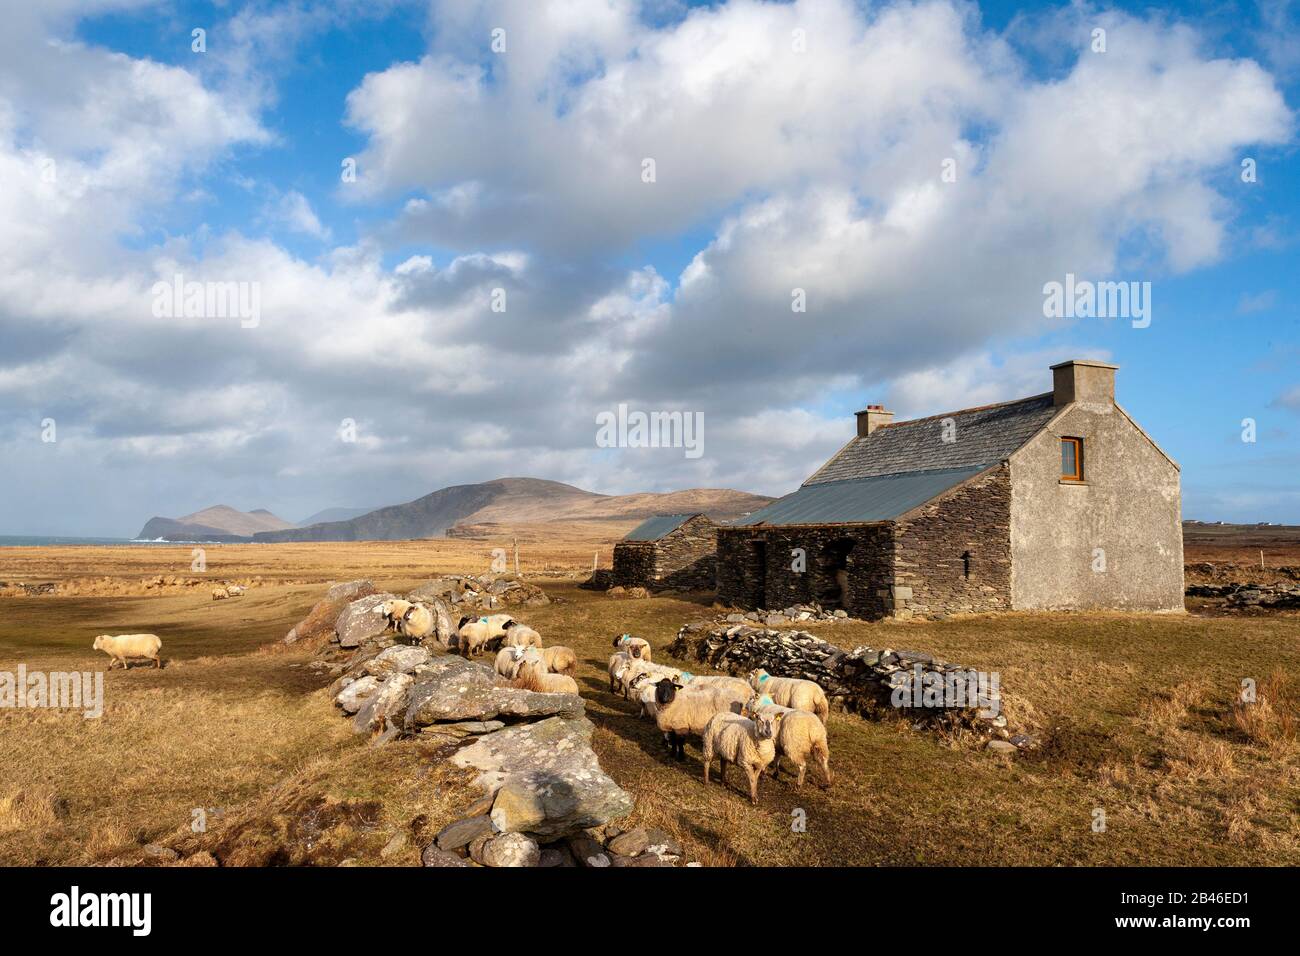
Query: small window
1072,459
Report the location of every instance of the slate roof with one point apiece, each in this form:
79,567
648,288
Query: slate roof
853,500
984,436
652,529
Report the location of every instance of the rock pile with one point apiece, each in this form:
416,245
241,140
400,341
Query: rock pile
486,591
1279,595
547,802
864,680
795,614
636,592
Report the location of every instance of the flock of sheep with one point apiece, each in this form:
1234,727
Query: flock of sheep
520,656
749,723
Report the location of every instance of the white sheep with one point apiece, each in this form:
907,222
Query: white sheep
219,594
636,647
559,659
792,692
418,622
518,635
533,675
235,590
471,637
679,712
618,664
508,660
638,670
393,610
733,685
798,734
746,743
129,646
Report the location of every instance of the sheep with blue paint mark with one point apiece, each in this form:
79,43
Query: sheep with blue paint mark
799,735
742,741
793,692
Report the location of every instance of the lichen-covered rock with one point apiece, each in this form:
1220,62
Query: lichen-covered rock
511,849
463,832
398,659
434,856
358,622
353,695
546,777
452,689
348,589
386,706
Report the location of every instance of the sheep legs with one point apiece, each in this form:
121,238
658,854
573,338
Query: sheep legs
753,771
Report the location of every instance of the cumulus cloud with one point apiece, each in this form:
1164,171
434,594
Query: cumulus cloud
807,142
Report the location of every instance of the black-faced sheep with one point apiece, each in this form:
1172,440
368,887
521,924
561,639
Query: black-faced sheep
798,734
636,647
741,741
124,647
792,692
680,712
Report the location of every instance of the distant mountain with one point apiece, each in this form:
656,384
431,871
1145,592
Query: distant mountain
508,500
334,514
218,523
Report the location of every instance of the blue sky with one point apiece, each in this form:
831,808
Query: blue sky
520,170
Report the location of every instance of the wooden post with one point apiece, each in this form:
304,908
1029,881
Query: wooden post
1261,559
595,562
515,542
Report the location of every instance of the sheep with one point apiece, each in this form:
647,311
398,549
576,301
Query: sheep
234,590
636,668
635,646
618,663
518,635
219,594
746,743
393,609
471,636
733,685
798,735
133,646
679,712
792,692
560,659
508,660
534,676
418,622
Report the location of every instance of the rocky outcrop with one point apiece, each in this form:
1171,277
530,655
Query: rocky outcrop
358,622
1239,596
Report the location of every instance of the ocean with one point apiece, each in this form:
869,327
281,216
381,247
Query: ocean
46,541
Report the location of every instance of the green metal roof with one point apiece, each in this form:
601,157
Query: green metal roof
854,500
652,529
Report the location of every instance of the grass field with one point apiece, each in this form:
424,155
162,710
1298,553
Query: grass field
1136,715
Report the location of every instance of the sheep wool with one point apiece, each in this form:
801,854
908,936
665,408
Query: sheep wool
534,676
560,659
518,635
636,647
508,660
682,712
798,734
793,692
124,647
418,622
738,740
472,638
394,610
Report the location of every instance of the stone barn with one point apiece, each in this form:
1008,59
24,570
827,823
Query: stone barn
1056,501
668,551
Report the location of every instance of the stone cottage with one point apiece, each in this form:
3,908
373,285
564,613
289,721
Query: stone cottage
668,551
1056,501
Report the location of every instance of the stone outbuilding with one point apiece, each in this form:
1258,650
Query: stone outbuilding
668,551
1056,501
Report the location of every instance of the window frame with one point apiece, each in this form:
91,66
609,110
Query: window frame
1078,475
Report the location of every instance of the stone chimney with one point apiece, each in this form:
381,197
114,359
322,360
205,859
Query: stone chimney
871,418
1083,380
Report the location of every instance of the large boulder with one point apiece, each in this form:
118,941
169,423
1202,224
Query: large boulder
349,590
359,623
351,696
546,778
386,707
452,689
398,659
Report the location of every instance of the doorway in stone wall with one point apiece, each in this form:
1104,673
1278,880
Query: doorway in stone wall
834,590
758,577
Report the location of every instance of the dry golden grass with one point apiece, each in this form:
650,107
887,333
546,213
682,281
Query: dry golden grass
1137,716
